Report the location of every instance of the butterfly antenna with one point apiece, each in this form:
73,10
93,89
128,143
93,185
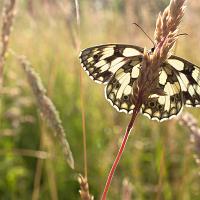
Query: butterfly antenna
182,34
144,33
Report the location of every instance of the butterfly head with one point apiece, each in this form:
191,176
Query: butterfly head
151,51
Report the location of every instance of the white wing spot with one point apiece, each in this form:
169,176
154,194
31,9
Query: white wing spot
184,79
100,63
191,90
162,77
157,114
135,71
124,105
106,54
127,90
161,100
90,59
128,52
105,67
177,64
196,74
116,64
124,82
167,103
132,107
168,89
149,111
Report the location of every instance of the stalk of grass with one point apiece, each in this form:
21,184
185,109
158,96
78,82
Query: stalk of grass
121,149
84,191
47,108
161,173
78,44
49,164
39,166
83,181
188,121
165,37
7,21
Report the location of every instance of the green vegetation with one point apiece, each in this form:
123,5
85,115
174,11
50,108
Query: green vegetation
158,160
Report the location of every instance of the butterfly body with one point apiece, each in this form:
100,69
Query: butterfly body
119,66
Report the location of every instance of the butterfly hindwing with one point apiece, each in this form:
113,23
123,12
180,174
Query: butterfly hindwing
119,91
101,62
189,77
163,107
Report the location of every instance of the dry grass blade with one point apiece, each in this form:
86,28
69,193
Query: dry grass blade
47,108
7,21
84,191
188,120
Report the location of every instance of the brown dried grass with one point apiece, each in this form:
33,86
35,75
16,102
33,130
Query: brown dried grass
7,21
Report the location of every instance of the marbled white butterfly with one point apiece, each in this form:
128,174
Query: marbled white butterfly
118,66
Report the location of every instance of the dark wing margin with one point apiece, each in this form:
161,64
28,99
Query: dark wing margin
189,78
101,62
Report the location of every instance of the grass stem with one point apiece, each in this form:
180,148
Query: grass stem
121,149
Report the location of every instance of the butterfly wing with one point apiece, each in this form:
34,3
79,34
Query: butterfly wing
101,62
119,91
163,107
189,78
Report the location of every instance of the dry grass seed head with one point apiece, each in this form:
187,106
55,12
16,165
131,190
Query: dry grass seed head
166,32
47,108
84,191
7,21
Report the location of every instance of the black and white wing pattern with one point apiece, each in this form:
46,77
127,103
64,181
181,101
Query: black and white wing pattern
180,80
188,75
119,90
101,62
116,65
163,107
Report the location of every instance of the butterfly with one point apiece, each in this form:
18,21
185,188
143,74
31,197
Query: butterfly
118,66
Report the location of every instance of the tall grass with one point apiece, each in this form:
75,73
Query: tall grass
158,161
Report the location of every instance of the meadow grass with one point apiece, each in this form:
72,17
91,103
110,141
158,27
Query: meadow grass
158,160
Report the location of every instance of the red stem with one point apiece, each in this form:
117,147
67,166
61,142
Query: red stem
122,147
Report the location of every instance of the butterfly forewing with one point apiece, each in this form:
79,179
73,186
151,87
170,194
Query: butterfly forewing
101,62
119,90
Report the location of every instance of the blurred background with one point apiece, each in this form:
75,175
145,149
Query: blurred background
158,160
